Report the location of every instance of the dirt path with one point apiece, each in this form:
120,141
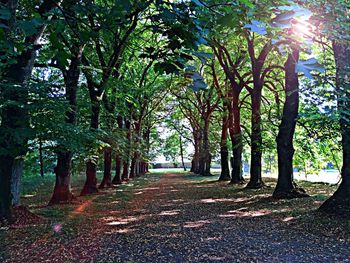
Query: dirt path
179,220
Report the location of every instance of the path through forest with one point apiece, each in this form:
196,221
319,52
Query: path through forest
181,220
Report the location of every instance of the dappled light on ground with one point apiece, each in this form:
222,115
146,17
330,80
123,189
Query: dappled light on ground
196,224
169,213
173,220
238,213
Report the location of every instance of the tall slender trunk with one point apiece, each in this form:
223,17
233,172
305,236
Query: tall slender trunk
195,161
107,169
133,166
339,202
126,162
146,138
182,153
225,170
237,142
285,151
205,153
118,161
135,157
62,192
90,185
125,174
41,159
118,176
256,141
257,64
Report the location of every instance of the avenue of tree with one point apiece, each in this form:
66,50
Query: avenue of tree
85,86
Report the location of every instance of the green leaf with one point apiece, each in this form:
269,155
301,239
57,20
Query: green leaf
306,66
165,67
30,27
256,27
247,3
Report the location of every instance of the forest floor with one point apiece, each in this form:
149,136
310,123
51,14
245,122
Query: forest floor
179,218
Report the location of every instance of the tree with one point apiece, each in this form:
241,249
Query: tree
15,129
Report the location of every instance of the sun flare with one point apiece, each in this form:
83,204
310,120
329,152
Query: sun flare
302,29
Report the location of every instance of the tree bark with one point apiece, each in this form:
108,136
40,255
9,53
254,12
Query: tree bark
182,153
62,192
6,169
205,153
256,141
15,129
118,161
41,159
17,172
236,140
90,186
133,166
125,174
118,176
339,202
225,170
195,161
107,171
285,186
126,162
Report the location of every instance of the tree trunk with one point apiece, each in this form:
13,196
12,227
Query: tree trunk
237,143
90,186
15,127
195,161
118,176
182,153
256,141
205,155
285,151
132,166
225,170
118,161
62,192
125,174
339,202
107,171
134,171
41,159
6,169
16,179
14,117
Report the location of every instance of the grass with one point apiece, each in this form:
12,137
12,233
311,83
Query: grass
197,178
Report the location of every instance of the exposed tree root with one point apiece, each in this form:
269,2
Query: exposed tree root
224,178
338,206
88,190
21,216
237,182
64,200
255,185
291,194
